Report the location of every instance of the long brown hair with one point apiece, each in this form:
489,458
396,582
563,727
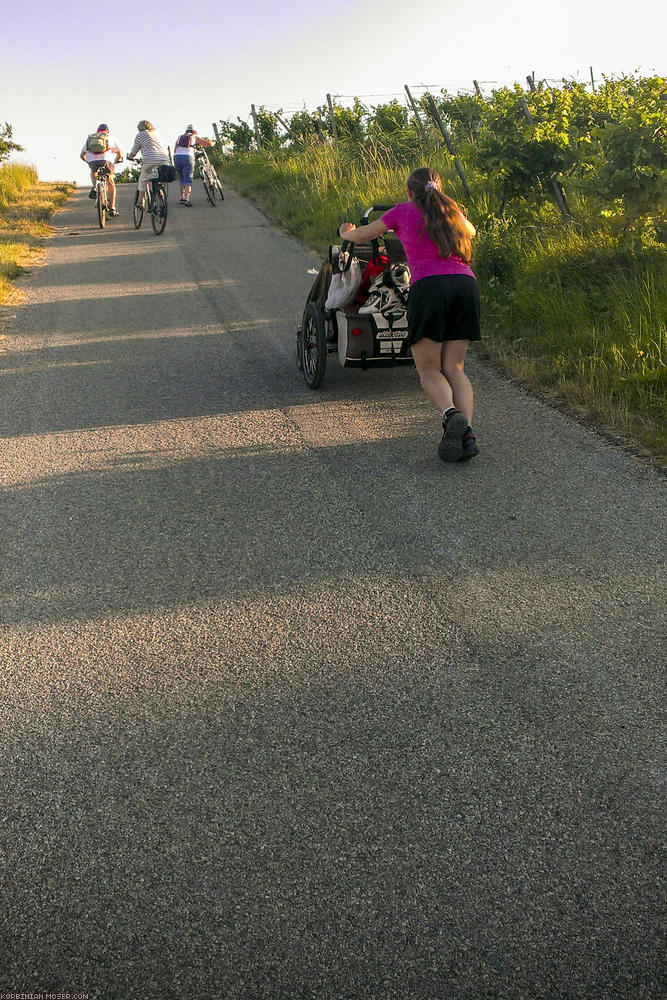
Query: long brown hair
443,222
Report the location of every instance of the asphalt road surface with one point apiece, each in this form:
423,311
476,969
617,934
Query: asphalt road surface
291,710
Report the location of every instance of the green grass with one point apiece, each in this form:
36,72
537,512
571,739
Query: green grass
585,321
26,206
567,310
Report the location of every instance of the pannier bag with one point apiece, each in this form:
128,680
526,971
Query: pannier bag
97,142
369,338
166,173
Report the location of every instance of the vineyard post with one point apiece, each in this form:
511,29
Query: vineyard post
592,79
414,108
477,88
258,136
216,133
559,194
332,119
284,124
448,141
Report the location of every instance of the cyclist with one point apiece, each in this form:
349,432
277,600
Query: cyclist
153,153
184,160
99,148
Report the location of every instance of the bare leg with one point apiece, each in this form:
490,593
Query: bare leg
440,368
453,360
428,359
442,376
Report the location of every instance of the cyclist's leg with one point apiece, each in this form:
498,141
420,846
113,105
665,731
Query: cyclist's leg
141,184
111,186
182,164
94,167
178,163
187,179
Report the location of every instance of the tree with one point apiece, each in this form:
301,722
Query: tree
6,144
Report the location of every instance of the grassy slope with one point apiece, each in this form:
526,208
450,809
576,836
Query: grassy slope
570,314
26,205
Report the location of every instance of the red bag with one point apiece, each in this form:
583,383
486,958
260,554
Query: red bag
372,271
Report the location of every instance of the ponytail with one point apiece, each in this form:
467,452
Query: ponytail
443,221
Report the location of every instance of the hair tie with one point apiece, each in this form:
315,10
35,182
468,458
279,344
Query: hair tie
430,186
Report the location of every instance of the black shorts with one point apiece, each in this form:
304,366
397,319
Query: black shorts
444,307
96,164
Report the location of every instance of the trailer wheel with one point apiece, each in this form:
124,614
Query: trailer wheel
313,345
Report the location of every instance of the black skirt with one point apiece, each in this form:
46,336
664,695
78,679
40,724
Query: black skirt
444,307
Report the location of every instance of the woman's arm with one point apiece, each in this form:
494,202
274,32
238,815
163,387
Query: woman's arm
135,149
362,234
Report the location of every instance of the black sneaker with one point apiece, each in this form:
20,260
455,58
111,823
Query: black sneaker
469,443
92,193
450,448
113,212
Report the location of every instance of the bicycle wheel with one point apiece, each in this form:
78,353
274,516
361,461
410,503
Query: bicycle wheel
102,203
158,210
208,187
137,212
313,345
218,187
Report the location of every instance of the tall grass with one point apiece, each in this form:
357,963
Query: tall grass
15,180
566,309
25,209
584,319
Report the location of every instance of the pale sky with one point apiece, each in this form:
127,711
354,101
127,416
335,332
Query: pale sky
182,63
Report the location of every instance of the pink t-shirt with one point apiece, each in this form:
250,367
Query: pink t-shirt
407,221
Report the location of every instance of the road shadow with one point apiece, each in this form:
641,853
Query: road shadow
133,372
145,531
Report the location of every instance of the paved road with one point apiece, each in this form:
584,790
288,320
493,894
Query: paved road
290,708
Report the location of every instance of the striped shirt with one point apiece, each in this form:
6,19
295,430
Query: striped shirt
153,151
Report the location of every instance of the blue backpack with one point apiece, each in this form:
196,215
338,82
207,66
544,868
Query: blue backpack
186,140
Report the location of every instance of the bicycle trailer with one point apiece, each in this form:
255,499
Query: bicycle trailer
370,331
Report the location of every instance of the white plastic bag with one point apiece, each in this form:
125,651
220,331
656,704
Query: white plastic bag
344,285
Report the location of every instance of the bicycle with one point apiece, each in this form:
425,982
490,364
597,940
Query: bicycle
209,177
155,199
102,194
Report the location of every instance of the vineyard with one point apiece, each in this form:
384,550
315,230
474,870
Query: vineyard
567,186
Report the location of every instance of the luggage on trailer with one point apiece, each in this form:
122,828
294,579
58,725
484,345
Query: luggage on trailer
357,308
375,329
